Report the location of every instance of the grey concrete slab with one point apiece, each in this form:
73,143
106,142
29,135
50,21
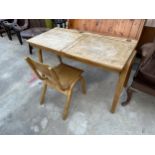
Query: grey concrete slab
21,113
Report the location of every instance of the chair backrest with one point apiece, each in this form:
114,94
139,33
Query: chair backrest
22,23
37,23
44,72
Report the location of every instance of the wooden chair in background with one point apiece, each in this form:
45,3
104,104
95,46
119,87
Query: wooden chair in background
62,78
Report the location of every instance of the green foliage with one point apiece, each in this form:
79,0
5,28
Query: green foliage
48,23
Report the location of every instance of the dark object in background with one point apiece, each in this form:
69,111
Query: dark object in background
31,32
4,29
7,24
19,26
1,28
144,79
60,23
15,25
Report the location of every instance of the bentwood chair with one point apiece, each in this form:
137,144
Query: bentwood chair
62,78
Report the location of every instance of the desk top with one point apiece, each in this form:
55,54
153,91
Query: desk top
106,51
55,39
110,52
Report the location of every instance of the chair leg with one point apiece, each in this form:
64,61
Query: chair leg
67,105
8,33
1,35
129,95
60,59
44,88
19,37
83,85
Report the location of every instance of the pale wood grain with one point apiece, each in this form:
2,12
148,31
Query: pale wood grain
122,81
112,27
55,39
110,52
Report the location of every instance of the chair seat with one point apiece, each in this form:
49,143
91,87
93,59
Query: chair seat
67,74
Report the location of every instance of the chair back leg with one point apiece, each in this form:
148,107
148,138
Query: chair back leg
30,49
60,59
19,37
8,33
83,85
1,35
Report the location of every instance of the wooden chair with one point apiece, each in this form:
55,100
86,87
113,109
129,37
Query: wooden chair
62,78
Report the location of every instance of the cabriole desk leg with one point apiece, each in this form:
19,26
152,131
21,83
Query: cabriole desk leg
122,81
40,57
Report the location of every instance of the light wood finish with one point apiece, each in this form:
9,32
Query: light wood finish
127,28
42,97
121,82
62,78
109,52
55,40
67,105
112,50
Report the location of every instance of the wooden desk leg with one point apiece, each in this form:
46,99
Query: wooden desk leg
119,87
123,79
40,57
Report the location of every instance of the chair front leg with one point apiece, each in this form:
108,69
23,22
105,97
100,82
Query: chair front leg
67,104
44,88
8,31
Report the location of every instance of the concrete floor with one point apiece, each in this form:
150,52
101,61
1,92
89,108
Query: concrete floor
20,112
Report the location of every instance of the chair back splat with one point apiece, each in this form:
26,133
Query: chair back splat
44,72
